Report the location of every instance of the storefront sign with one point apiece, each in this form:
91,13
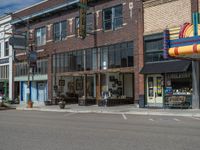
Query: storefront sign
178,75
4,61
168,91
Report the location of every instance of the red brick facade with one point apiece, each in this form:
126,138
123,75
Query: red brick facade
132,30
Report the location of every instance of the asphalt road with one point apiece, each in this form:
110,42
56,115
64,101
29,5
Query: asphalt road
31,130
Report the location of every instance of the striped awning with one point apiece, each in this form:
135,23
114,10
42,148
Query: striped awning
184,50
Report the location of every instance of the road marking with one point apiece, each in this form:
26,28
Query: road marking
195,118
124,116
69,114
151,119
175,119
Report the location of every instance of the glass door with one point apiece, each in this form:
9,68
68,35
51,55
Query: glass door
155,90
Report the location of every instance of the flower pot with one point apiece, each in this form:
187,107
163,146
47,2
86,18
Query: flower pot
62,105
29,104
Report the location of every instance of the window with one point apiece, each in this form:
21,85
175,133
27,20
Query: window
77,26
41,36
113,18
4,71
60,31
117,55
6,49
91,59
153,50
42,65
89,24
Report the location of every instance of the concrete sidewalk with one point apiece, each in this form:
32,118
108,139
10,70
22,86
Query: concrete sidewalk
125,109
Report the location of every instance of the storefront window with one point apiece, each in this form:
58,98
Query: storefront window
178,90
150,86
159,86
79,61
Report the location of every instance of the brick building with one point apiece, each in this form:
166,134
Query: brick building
168,82
108,60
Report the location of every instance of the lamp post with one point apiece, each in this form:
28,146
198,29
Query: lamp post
27,25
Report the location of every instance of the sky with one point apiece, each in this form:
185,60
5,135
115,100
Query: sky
7,6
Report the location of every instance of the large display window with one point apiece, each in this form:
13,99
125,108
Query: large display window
178,90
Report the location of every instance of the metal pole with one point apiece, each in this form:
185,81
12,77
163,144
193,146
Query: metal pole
28,62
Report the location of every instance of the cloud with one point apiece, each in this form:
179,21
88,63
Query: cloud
13,5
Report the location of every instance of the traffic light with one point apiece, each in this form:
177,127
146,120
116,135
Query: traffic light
83,18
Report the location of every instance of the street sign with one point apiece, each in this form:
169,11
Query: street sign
18,42
33,58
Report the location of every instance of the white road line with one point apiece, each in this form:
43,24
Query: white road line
195,118
175,119
151,119
124,116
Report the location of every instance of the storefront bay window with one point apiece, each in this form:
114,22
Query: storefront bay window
106,57
22,68
91,59
117,56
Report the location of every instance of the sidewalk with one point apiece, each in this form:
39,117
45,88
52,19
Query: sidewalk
125,109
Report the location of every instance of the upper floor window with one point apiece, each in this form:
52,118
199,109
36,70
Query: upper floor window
153,46
60,30
41,36
89,24
113,18
6,49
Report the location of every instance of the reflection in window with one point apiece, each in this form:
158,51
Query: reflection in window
113,18
41,36
60,30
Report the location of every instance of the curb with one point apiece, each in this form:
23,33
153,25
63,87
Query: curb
146,113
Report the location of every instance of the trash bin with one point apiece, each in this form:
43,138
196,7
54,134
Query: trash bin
141,101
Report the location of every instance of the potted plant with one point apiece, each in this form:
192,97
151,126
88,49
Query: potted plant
62,104
29,104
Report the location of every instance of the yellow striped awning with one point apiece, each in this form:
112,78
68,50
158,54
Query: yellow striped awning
184,50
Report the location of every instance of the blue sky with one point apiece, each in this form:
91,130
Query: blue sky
7,6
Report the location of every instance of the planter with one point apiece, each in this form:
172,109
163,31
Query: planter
47,103
29,104
62,105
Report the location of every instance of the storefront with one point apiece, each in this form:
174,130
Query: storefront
84,76
168,84
83,89
38,92
178,90
38,83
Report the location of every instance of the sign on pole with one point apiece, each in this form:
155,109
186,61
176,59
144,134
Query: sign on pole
33,58
18,42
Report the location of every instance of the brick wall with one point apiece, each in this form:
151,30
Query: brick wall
132,30
159,14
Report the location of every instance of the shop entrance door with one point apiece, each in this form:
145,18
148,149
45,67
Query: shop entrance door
155,90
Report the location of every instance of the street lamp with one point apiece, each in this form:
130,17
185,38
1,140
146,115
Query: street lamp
28,54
